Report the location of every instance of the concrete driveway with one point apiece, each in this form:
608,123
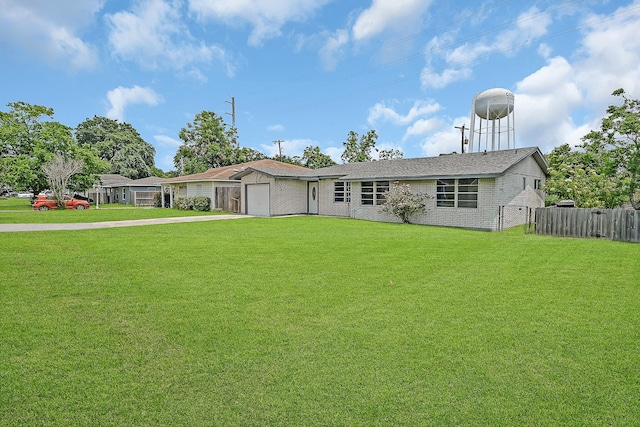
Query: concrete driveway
112,224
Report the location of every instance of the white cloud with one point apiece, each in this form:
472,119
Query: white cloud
562,101
398,15
275,128
610,55
423,127
382,113
167,141
120,97
49,30
430,78
528,27
266,17
290,147
335,153
443,136
333,48
153,35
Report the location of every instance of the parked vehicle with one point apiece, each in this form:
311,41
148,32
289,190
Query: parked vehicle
44,203
81,197
25,195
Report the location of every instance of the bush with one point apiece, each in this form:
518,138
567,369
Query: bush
201,203
402,203
182,203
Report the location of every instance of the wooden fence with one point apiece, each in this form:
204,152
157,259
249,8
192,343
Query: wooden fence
144,198
228,199
613,224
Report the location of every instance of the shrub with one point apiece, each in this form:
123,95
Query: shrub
402,203
201,203
182,203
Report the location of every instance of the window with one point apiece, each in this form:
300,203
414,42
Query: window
372,192
381,188
124,194
537,184
457,193
342,192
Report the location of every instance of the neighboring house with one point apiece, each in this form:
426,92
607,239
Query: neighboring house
486,190
139,192
116,188
217,185
104,192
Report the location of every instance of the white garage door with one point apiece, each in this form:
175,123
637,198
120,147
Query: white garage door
258,199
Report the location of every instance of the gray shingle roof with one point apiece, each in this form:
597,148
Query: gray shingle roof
483,164
111,179
268,166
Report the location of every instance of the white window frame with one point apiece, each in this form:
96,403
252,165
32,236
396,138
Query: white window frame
457,193
341,192
372,193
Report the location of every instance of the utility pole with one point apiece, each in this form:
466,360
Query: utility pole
462,129
279,141
233,111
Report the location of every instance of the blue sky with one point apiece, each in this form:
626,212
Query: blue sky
309,71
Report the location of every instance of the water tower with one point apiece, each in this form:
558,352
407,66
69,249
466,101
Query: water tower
496,130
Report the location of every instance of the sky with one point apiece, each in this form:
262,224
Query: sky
307,72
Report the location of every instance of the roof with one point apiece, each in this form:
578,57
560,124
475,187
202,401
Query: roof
115,180
150,180
111,179
483,164
225,173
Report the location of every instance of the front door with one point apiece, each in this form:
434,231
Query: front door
313,198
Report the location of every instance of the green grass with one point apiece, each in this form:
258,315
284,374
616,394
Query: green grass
19,211
317,321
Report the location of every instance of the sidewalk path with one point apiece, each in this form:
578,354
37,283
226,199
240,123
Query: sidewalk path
112,224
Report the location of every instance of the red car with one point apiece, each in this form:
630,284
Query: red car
44,203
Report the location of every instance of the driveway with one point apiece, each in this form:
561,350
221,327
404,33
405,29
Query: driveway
113,224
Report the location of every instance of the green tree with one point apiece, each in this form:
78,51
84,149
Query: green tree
313,158
292,160
207,143
605,169
27,142
404,204
579,175
390,154
358,148
620,135
120,145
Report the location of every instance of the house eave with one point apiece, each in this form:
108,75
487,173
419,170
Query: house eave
418,178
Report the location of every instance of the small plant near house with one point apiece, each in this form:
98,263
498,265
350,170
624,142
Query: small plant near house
201,203
197,203
183,203
404,204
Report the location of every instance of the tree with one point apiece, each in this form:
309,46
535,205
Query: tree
605,171
359,150
120,145
27,142
390,154
313,158
581,176
58,170
292,160
620,133
404,204
207,143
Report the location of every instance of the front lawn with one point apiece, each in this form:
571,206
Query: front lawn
19,211
317,321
